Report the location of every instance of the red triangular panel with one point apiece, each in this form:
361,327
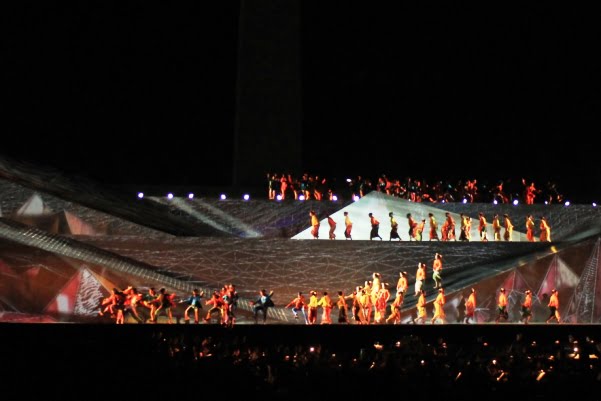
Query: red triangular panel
64,301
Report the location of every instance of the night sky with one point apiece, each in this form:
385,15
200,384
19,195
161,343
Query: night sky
133,91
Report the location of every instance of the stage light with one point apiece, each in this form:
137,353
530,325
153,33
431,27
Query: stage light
443,201
169,195
567,204
464,201
546,202
279,197
334,198
495,202
246,197
594,204
224,196
349,180
301,197
356,198
141,195
190,195
515,202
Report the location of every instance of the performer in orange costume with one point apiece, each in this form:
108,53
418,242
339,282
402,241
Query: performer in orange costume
508,228
348,224
395,309
433,227
545,230
332,225
450,223
375,227
439,307
527,307
402,284
470,306
314,224
530,228
421,307
554,307
502,306
437,268
482,227
496,227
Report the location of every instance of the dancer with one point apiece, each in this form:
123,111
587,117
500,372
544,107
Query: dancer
165,303
394,226
433,228
412,226
402,283
463,231
262,304
482,227
332,225
527,307
496,227
450,227
313,304
348,224
421,308
508,228
217,308
419,230
545,230
298,304
342,308
437,268
470,307
530,228
375,227
554,307
395,309
420,278
502,306
326,303
194,302
439,307
314,224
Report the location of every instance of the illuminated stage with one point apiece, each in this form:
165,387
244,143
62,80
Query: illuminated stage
60,255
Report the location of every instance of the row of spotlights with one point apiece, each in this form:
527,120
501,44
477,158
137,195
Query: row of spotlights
334,198
191,196
302,198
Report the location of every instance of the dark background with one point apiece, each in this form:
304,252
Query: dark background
144,92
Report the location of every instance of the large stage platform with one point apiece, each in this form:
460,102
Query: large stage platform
65,245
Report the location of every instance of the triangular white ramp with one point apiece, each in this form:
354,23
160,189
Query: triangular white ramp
34,206
381,205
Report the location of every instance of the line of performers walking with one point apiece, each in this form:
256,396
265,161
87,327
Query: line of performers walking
502,228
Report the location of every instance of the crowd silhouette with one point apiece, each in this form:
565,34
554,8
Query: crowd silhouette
316,187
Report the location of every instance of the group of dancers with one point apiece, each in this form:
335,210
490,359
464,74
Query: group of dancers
502,228
146,308
369,302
